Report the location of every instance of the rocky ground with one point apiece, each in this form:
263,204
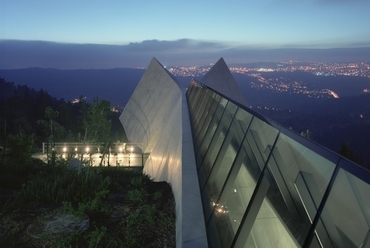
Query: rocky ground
144,221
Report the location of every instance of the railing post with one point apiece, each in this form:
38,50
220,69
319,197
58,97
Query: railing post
142,159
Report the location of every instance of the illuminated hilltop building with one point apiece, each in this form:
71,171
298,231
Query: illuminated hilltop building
240,179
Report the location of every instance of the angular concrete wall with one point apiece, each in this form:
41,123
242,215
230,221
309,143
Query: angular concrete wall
157,116
152,102
220,79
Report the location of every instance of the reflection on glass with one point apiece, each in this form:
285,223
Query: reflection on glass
263,226
261,137
204,109
207,116
235,197
301,176
210,130
345,220
218,132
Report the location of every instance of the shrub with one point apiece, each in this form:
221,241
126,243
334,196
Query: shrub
20,147
97,205
96,236
157,196
63,184
139,221
136,196
140,180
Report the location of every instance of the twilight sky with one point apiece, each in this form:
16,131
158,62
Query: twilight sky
96,34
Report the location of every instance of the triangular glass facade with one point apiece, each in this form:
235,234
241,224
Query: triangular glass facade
264,186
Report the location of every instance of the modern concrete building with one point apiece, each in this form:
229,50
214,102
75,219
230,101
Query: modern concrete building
240,179
157,115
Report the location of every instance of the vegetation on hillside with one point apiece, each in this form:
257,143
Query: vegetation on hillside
125,208
29,117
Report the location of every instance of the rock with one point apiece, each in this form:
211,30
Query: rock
58,224
76,165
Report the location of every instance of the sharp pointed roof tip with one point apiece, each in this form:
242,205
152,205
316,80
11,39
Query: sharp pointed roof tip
220,68
155,63
221,60
155,60
219,78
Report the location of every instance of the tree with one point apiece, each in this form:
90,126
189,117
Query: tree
97,124
20,147
346,151
307,134
4,139
55,127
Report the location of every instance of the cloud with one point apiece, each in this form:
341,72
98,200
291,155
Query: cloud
331,2
177,46
23,54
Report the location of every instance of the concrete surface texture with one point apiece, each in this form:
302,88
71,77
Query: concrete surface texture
220,79
154,116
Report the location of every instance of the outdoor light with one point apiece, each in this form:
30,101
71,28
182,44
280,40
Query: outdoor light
87,149
76,149
64,149
131,149
120,149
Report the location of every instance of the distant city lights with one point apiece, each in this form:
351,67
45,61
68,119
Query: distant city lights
361,69
335,95
77,100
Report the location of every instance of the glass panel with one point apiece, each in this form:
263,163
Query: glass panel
345,219
220,171
226,155
193,97
263,226
301,176
196,103
315,243
241,123
218,138
277,209
261,136
204,123
229,211
209,126
203,107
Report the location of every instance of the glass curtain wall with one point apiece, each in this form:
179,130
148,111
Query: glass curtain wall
264,186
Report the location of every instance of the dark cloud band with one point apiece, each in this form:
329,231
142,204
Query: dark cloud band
23,54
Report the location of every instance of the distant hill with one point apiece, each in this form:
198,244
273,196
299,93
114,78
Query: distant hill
115,85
